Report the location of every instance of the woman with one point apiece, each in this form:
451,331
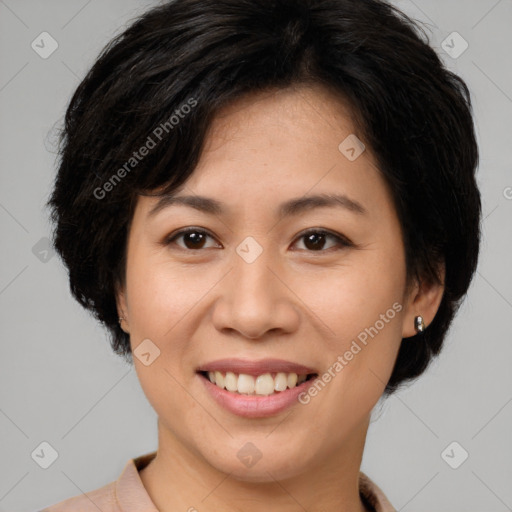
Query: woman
272,207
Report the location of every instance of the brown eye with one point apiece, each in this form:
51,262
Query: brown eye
193,238
315,240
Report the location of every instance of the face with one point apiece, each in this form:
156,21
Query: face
317,285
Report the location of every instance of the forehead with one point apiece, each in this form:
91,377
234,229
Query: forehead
269,146
286,109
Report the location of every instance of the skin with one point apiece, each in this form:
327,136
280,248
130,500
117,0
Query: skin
293,302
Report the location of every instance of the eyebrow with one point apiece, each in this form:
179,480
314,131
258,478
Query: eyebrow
292,207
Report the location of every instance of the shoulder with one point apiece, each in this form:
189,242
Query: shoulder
127,492
103,499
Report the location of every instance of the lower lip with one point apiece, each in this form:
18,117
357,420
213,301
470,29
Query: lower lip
255,406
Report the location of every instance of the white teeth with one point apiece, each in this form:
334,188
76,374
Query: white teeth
245,383
231,381
292,380
219,379
281,382
264,384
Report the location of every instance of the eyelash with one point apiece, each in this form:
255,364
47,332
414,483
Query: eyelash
342,241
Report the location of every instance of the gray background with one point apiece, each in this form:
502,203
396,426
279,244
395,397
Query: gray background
59,381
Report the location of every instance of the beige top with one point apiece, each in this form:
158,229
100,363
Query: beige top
128,494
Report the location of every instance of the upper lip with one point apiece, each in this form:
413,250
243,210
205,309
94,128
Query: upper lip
251,367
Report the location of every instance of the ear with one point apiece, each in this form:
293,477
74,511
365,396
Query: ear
423,299
122,307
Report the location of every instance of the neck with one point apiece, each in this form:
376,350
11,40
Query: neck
181,479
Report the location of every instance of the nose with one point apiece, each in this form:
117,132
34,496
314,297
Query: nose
255,300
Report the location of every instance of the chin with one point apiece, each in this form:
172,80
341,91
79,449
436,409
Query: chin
266,469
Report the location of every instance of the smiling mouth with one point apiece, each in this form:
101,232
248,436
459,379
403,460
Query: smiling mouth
263,385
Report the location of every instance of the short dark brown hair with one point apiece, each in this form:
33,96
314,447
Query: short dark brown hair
168,74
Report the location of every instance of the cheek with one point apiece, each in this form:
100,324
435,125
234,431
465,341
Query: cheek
161,293
352,297
360,308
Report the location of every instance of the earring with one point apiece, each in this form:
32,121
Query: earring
419,324
121,319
